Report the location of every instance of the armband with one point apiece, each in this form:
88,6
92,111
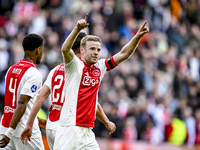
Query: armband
110,63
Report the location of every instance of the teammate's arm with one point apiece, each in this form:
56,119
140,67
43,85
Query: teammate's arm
43,94
103,118
130,47
67,53
20,109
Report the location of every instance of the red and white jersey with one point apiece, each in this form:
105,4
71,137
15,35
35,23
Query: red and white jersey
81,91
55,82
21,79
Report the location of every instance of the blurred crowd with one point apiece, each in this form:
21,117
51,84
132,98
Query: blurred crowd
153,96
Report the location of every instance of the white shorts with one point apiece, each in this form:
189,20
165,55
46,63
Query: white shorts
16,144
75,138
50,137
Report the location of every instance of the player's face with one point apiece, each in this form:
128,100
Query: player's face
91,52
39,54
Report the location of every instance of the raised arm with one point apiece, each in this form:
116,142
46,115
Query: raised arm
130,47
67,53
103,118
43,94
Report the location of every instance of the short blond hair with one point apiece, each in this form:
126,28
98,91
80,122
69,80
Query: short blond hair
89,38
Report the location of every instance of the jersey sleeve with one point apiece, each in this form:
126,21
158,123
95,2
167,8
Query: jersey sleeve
73,64
33,82
106,65
49,78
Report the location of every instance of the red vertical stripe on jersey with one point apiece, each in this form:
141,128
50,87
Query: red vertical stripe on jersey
87,96
13,80
57,84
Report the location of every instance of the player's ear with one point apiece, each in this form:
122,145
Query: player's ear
81,49
38,50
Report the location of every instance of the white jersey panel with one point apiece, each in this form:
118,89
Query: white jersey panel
101,65
49,78
30,85
73,74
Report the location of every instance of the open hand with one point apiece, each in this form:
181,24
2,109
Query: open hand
4,141
26,135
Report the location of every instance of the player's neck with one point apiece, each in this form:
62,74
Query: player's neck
29,57
89,65
85,62
78,55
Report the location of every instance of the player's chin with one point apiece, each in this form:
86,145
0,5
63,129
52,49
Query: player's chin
95,60
37,62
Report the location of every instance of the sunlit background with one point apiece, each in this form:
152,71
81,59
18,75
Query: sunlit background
154,97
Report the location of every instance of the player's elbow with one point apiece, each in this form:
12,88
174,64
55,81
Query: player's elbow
62,50
22,105
65,49
40,98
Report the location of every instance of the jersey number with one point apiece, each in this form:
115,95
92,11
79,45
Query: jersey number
58,96
12,90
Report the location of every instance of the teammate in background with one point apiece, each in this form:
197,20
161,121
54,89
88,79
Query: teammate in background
82,79
23,82
54,84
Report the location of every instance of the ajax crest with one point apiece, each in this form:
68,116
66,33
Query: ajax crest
96,73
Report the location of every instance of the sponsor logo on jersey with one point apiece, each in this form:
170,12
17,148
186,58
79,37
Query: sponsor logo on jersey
61,68
8,109
86,73
87,80
56,107
16,70
33,88
96,73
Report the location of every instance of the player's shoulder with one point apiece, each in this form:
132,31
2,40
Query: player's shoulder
77,59
75,62
36,71
33,72
59,67
100,62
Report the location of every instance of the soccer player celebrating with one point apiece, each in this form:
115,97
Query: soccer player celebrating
54,84
82,79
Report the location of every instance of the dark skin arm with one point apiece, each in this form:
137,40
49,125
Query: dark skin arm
19,112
